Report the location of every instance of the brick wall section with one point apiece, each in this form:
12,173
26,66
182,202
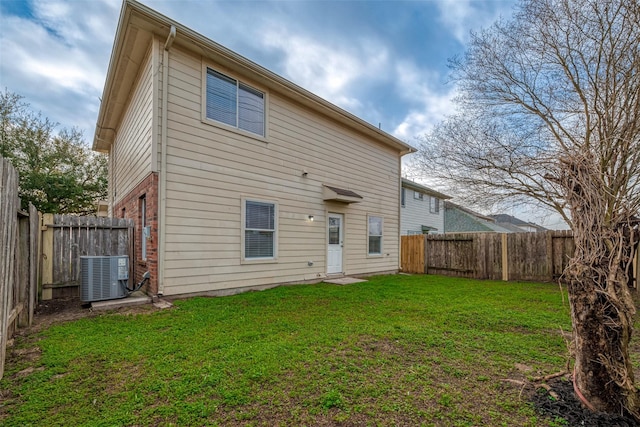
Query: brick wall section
130,207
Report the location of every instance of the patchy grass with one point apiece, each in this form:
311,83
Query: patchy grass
396,350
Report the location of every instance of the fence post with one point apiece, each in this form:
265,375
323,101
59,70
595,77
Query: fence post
22,272
47,256
34,261
505,258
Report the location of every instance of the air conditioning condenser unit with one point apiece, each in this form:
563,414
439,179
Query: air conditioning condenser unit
103,277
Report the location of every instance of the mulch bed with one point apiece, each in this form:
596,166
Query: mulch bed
569,408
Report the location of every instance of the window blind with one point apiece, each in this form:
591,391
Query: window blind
221,98
259,234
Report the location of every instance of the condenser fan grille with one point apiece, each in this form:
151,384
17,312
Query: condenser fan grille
103,277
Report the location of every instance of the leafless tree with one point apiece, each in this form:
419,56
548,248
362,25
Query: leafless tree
549,110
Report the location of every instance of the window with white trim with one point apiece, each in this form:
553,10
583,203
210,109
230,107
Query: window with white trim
417,195
234,103
259,229
434,205
375,235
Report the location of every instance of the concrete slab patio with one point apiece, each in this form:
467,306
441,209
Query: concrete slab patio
344,281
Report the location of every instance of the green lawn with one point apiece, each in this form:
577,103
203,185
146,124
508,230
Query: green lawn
396,350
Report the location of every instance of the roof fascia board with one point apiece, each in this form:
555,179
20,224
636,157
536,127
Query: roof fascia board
415,186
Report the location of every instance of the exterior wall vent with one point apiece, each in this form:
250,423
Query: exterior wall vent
103,277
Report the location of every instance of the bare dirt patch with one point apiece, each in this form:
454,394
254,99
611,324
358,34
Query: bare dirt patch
64,310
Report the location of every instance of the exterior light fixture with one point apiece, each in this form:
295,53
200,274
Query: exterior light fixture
311,218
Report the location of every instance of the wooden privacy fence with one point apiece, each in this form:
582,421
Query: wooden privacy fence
18,259
495,256
65,238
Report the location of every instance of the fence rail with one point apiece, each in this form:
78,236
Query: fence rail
495,256
19,233
65,238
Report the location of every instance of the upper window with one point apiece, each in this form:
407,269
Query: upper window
402,198
375,235
417,195
259,230
434,205
234,103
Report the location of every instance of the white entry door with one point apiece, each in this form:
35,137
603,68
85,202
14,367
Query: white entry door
335,239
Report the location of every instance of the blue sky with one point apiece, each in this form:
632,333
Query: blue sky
384,61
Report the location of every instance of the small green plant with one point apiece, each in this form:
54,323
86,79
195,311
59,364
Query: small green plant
332,399
558,422
445,400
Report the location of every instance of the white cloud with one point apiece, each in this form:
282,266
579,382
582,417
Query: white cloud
329,71
461,16
430,106
58,58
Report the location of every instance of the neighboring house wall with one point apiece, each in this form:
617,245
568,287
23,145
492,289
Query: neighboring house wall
417,213
212,168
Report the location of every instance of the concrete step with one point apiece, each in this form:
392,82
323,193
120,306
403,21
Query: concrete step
136,298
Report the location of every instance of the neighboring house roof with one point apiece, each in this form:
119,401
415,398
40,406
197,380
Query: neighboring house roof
137,26
517,224
458,219
421,188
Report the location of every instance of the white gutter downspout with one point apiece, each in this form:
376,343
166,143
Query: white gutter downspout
163,158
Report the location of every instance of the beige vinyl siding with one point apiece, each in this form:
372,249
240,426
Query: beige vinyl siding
416,213
210,169
131,154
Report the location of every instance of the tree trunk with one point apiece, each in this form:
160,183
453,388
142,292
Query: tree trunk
602,314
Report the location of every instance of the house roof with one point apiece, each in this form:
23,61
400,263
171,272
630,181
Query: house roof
509,221
459,219
452,205
139,24
418,187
